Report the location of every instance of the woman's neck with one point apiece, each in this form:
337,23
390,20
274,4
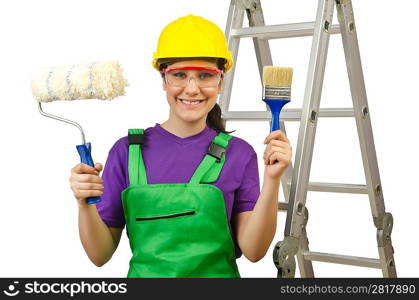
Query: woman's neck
183,129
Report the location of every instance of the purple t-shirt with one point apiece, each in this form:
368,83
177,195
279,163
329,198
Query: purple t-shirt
171,159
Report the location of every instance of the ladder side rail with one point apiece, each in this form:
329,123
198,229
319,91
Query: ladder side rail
262,50
308,123
264,58
361,110
295,240
382,220
304,265
287,176
297,215
235,20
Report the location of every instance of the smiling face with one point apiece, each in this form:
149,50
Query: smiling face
191,103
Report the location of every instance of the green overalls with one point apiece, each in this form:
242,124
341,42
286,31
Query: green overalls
181,229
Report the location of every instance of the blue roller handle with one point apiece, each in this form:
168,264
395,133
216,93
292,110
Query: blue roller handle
85,152
275,105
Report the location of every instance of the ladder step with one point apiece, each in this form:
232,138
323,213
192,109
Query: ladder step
291,114
280,31
338,187
342,259
330,188
283,206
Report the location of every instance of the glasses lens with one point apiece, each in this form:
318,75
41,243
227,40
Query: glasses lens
203,78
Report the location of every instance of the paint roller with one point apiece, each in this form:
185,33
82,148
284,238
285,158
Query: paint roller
96,80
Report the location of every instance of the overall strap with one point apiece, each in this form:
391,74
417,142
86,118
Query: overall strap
210,167
136,169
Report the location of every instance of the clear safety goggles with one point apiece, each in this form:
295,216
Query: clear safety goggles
204,77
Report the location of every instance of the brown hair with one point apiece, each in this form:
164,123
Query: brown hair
214,117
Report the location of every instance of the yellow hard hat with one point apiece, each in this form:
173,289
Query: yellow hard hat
192,36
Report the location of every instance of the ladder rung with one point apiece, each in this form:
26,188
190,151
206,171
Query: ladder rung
283,206
291,114
342,259
279,31
331,188
338,187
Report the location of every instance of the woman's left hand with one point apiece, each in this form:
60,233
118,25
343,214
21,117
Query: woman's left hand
277,155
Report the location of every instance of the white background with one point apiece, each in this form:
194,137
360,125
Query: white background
38,215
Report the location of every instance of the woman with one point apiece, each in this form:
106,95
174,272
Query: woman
187,190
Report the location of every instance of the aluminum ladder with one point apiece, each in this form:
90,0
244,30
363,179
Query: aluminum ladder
295,181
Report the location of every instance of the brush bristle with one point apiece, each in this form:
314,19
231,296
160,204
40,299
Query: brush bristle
277,76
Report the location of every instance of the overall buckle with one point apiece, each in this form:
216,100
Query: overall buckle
216,151
136,139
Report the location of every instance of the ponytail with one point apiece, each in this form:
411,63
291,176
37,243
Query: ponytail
215,120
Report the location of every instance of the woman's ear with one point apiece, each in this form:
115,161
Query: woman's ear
164,84
220,85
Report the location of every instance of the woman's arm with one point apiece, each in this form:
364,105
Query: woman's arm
256,229
98,240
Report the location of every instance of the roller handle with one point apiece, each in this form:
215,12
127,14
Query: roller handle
85,151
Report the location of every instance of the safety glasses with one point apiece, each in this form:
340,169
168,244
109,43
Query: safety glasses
204,77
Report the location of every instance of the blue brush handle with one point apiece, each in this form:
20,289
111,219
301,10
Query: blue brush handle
275,105
275,121
85,152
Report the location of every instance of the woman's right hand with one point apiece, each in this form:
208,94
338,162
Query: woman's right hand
86,182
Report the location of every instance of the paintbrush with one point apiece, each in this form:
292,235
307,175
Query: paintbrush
276,90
